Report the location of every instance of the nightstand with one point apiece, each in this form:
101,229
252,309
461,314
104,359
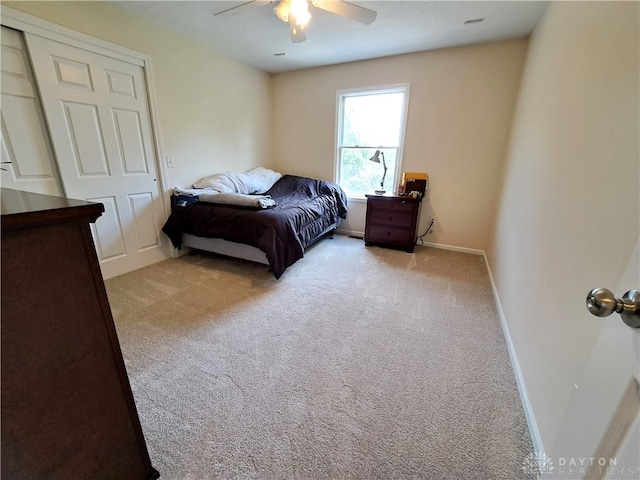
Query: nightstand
392,220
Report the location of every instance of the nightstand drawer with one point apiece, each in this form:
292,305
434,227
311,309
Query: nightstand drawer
392,205
389,235
390,218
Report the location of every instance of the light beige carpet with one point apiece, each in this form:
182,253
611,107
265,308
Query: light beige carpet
360,362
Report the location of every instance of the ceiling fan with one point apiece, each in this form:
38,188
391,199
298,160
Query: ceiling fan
296,13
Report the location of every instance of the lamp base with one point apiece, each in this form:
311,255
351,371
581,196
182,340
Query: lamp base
380,192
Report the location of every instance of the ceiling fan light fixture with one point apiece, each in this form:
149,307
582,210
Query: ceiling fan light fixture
282,10
296,13
300,10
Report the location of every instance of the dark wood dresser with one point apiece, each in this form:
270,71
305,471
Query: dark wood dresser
67,408
392,220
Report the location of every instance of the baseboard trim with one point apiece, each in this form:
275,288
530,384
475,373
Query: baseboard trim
473,251
536,439
349,233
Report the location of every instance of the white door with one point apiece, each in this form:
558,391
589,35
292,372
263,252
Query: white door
600,435
28,162
97,111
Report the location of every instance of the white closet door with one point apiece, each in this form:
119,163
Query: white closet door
28,162
97,111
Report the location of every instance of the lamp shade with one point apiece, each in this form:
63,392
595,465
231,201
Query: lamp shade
300,10
282,10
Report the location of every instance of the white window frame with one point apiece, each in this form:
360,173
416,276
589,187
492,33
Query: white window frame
404,88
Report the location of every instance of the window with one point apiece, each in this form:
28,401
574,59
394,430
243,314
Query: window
370,120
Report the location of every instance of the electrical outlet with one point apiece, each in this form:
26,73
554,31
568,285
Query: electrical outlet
432,223
170,162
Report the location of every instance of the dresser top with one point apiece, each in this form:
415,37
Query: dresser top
25,209
394,197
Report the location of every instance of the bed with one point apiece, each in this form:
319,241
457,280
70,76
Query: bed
274,226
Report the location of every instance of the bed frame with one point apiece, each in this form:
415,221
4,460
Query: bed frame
240,250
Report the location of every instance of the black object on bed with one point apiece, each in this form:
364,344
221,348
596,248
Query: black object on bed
305,208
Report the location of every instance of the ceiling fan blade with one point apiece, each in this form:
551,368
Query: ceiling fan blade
297,32
346,9
236,8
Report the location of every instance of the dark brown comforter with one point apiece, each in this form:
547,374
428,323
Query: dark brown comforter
304,209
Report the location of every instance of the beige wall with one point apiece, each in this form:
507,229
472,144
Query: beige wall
568,219
460,111
214,112
218,114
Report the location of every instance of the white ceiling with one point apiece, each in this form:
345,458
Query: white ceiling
253,34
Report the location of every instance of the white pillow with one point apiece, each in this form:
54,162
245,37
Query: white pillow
263,178
220,182
257,180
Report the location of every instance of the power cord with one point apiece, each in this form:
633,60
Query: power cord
420,238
